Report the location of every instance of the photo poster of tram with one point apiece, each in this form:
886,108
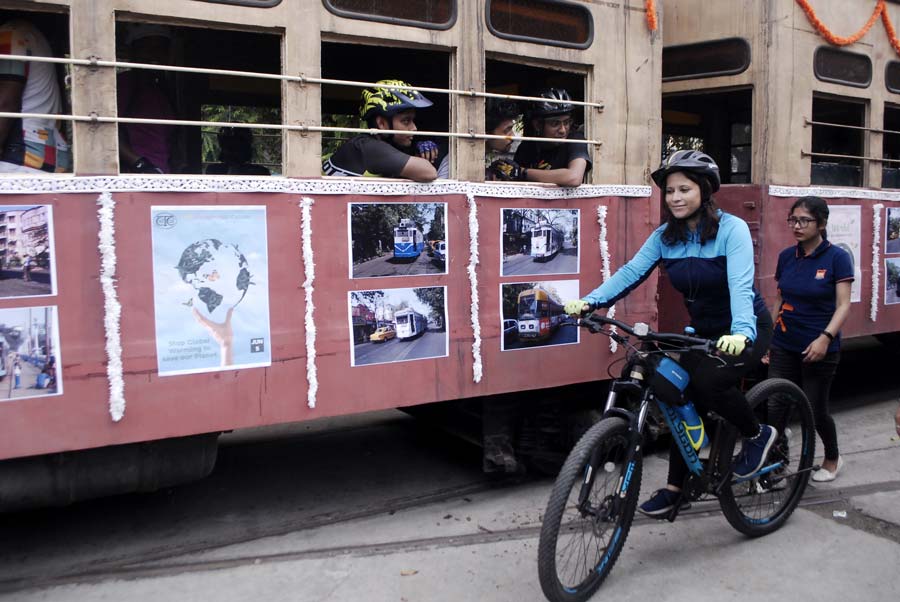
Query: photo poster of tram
844,230
539,241
210,288
892,231
397,325
892,281
30,362
397,239
533,314
27,256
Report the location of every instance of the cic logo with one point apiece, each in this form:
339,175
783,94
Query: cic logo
165,220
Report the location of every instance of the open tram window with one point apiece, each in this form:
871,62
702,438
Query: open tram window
718,123
515,79
362,63
31,144
837,151
153,148
890,172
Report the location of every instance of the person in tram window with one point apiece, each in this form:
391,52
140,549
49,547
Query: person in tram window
387,155
812,303
708,256
552,163
145,148
235,154
502,117
30,145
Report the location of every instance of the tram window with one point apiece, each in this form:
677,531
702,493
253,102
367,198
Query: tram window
167,95
718,123
892,76
430,14
705,59
361,63
228,151
835,149
890,172
553,22
256,3
842,67
41,145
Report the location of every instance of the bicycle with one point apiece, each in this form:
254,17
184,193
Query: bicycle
593,501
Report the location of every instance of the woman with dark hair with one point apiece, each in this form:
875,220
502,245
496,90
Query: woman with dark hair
813,301
708,256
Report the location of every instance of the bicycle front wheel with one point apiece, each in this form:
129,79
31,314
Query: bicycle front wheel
589,513
761,505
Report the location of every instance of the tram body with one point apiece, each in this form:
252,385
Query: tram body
410,324
546,242
408,241
539,315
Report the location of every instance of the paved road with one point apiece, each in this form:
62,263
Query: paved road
388,266
892,246
564,262
430,344
564,334
12,284
379,507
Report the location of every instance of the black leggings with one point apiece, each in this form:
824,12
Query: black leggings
815,380
716,387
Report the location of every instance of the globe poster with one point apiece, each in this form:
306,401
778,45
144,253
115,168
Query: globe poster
210,288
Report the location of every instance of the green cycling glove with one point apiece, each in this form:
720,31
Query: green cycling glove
732,344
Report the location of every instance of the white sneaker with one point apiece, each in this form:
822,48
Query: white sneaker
823,476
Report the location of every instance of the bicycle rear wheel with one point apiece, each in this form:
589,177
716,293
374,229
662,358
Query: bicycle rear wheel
761,505
587,518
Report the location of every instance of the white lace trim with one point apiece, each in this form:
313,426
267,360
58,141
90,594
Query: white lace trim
309,269
356,186
834,193
605,265
876,260
473,288
112,307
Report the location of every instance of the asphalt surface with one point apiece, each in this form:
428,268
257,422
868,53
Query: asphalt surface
430,344
564,334
388,266
564,262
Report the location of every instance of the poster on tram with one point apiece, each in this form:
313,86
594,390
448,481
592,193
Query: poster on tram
27,258
29,353
844,231
210,288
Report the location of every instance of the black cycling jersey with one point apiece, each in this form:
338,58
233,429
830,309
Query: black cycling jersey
366,155
540,155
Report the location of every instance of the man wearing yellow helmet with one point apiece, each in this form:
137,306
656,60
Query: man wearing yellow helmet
386,107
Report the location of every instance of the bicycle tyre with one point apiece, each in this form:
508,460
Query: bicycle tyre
564,523
759,506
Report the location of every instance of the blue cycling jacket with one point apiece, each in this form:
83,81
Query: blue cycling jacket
716,278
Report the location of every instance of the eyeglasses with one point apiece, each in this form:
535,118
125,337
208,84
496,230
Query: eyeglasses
803,222
558,123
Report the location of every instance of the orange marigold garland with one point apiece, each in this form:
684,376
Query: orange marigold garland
652,21
889,28
829,35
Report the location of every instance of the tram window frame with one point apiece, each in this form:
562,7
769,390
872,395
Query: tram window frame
860,108
890,172
545,41
887,75
348,14
821,51
246,3
708,46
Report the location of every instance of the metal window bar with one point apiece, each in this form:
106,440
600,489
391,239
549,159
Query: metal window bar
804,153
849,127
301,79
296,128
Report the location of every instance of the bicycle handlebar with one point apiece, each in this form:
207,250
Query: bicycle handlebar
595,324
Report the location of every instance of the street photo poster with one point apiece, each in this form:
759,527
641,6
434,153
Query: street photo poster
892,231
210,288
27,257
30,361
532,314
539,241
844,231
892,281
397,325
397,239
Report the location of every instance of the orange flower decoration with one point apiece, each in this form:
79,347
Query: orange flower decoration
652,21
832,38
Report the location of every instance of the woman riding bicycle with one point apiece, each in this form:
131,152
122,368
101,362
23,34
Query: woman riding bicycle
708,256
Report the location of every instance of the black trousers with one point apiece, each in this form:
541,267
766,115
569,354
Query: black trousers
716,386
815,379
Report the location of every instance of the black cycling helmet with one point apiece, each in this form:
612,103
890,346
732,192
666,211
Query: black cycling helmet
557,102
389,101
688,160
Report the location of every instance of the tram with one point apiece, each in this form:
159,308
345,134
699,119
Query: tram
410,324
546,242
408,241
539,315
